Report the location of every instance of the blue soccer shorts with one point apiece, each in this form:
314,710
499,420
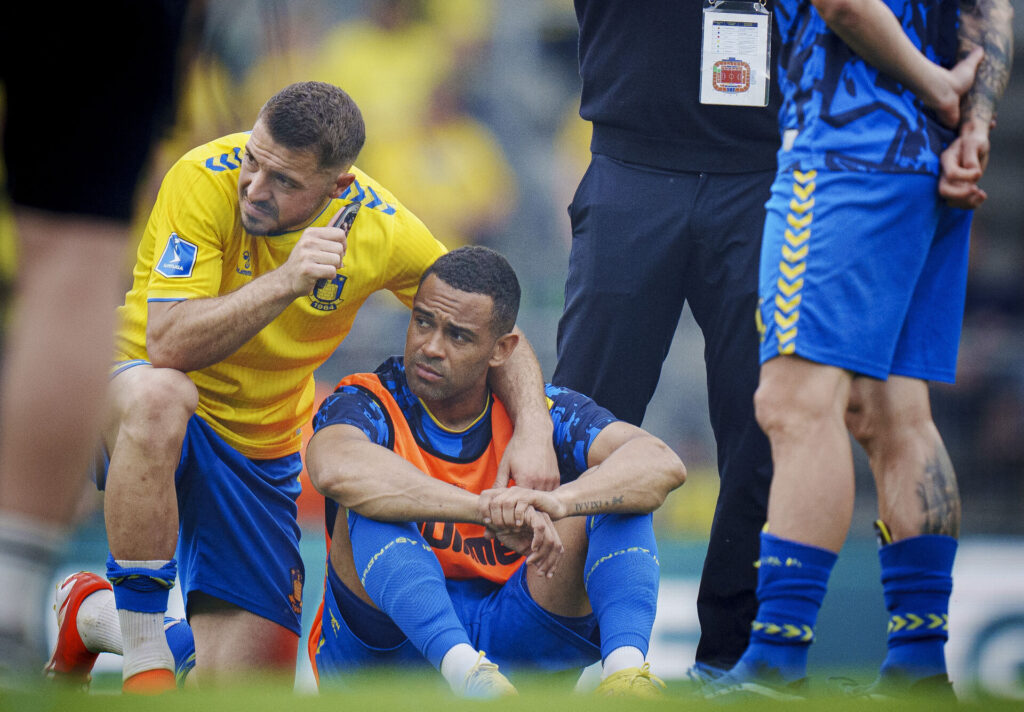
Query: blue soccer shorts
502,620
239,535
863,271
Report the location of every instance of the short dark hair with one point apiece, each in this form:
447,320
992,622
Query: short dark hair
481,270
316,117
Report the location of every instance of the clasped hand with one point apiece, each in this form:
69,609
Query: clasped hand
523,520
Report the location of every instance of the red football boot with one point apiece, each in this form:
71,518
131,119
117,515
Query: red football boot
71,661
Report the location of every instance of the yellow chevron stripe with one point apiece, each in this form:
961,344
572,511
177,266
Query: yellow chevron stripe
798,223
804,177
772,629
801,207
789,289
803,192
787,305
896,623
785,335
797,239
792,631
793,272
914,621
937,621
786,349
786,322
792,255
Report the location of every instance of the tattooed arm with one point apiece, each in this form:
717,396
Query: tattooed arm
630,471
987,24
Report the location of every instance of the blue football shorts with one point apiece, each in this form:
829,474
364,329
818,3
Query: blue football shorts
863,271
239,535
502,620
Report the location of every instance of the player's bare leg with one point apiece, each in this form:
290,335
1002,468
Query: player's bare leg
56,351
564,593
151,409
234,646
919,506
917,489
800,406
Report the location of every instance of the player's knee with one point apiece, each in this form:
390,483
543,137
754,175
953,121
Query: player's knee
861,425
158,404
782,410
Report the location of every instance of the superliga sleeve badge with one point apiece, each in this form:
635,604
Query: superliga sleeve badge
178,258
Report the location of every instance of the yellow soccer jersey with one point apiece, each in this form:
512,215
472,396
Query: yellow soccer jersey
194,246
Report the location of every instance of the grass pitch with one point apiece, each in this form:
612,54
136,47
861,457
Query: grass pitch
393,691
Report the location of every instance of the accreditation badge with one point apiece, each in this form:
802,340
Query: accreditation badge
735,57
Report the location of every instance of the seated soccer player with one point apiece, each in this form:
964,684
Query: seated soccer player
433,560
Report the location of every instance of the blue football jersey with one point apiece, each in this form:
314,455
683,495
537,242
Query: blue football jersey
840,113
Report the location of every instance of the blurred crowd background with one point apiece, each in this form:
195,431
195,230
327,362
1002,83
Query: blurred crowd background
471,112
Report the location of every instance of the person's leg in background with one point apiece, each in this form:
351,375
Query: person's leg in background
723,296
55,357
624,290
72,169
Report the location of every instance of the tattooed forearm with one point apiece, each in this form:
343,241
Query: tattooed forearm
987,24
940,500
598,505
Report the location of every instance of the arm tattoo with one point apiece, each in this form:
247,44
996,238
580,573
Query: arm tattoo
598,505
940,501
987,24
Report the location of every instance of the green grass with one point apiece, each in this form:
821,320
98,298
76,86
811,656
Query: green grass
414,692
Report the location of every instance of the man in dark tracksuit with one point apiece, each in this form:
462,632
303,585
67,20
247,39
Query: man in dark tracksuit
671,209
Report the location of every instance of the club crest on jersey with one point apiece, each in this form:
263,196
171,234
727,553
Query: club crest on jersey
178,259
244,267
326,294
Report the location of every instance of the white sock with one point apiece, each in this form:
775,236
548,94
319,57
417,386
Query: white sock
99,624
142,634
28,552
621,658
456,663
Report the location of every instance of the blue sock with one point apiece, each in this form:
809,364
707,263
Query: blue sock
917,580
791,584
138,589
182,645
621,578
403,577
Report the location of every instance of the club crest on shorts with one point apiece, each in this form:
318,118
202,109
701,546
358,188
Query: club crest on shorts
326,294
295,597
178,258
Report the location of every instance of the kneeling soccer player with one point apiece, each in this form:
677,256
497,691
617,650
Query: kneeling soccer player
432,557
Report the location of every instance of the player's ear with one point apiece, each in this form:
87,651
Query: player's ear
341,183
503,348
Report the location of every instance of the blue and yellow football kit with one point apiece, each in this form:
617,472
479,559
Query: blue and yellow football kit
237,479
484,580
194,247
862,266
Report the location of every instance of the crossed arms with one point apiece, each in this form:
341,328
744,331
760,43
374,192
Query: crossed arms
629,470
